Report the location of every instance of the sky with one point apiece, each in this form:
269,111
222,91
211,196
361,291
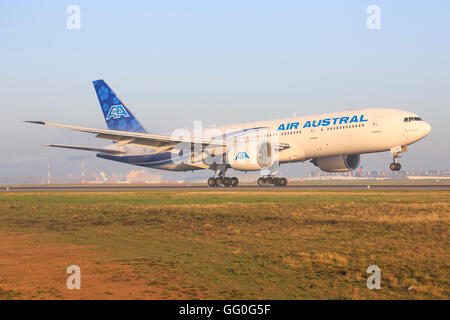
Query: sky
221,62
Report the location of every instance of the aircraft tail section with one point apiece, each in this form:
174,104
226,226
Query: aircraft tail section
117,115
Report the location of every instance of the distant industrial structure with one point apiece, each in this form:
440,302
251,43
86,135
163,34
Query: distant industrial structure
380,175
142,176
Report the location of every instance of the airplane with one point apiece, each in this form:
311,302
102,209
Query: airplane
331,141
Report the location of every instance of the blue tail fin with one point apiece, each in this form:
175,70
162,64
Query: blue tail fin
117,115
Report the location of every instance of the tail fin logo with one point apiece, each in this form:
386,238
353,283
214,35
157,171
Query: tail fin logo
116,112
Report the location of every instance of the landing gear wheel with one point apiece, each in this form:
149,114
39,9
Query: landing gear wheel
212,182
272,180
395,166
227,181
261,181
234,182
219,181
276,181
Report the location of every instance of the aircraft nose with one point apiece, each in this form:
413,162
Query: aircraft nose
426,129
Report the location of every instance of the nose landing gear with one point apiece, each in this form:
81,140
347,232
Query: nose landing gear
395,166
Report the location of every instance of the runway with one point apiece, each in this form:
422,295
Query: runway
125,187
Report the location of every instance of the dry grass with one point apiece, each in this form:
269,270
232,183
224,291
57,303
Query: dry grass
252,244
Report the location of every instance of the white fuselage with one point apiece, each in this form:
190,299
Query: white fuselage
322,135
383,130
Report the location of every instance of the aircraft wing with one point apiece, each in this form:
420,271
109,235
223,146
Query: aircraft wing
136,138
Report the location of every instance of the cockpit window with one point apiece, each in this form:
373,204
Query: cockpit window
409,119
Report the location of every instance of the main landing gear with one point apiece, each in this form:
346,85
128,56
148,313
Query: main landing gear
221,180
272,180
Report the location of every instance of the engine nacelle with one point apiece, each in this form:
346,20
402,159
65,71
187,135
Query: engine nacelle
339,163
250,156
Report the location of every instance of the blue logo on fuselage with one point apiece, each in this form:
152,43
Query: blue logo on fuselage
242,156
289,126
323,122
117,112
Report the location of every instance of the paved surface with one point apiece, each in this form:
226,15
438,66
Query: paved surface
115,187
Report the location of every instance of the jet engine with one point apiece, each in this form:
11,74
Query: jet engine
339,163
251,156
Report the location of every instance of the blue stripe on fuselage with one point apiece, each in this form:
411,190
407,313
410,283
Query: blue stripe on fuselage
148,160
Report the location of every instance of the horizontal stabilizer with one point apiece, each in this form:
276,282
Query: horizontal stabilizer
104,150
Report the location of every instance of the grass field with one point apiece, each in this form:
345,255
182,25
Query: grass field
225,244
